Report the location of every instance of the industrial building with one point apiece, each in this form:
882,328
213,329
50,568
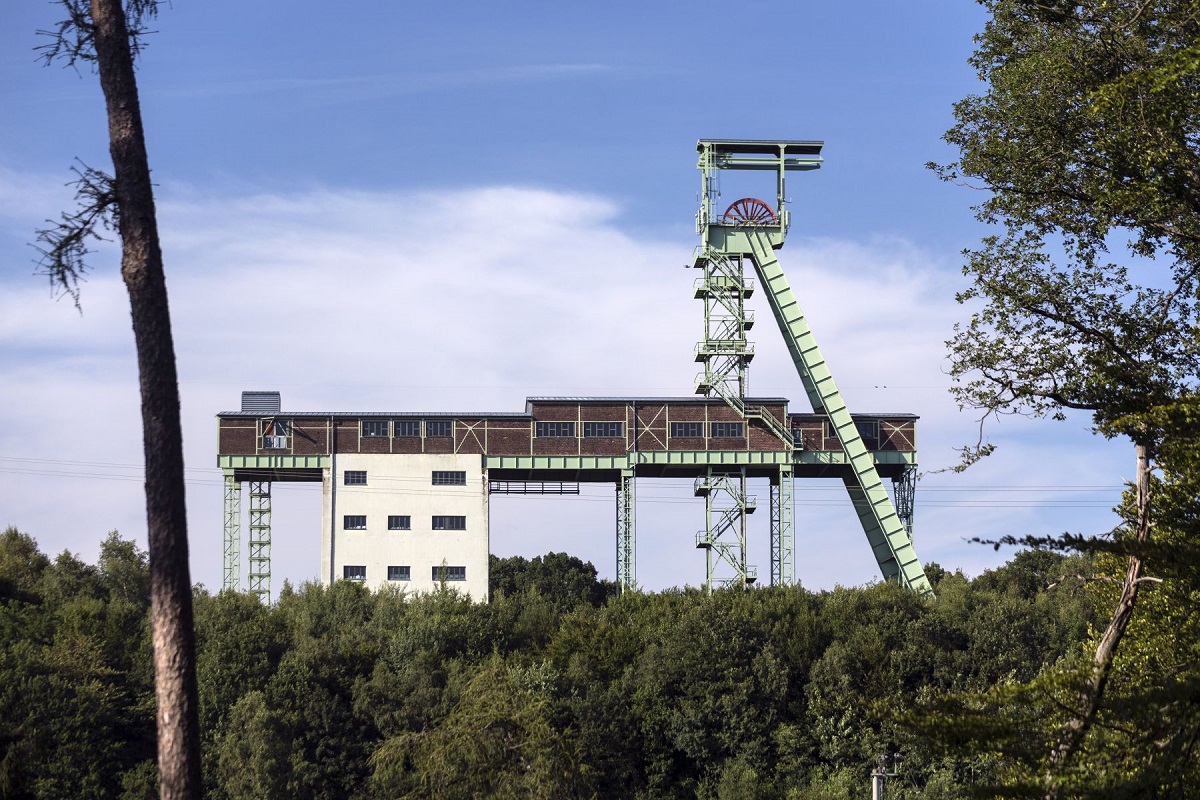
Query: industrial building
405,494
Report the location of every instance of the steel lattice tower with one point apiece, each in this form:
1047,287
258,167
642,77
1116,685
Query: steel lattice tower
751,230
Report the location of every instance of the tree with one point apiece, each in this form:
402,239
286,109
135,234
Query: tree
109,35
1086,136
563,579
499,741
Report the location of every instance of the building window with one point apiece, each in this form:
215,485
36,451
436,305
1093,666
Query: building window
397,522
355,477
354,522
602,430
374,428
687,430
275,435
449,523
555,429
354,573
406,427
868,431
449,573
439,427
727,430
399,573
446,477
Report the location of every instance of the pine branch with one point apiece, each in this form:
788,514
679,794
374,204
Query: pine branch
63,248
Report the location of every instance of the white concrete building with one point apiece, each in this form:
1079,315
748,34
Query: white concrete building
416,522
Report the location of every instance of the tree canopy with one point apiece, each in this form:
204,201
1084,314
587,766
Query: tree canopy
1086,143
337,692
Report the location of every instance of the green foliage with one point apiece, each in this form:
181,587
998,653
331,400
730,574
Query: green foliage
1085,142
338,692
76,698
562,579
1086,136
498,741
21,565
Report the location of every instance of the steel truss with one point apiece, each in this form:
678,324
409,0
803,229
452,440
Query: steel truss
726,507
626,502
783,567
260,540
904,488
231,572
724,351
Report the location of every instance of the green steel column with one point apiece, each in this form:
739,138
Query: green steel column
231,573
626,501
726,506
885,531
783,571
260,539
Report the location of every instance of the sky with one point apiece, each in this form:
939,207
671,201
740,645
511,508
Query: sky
452,207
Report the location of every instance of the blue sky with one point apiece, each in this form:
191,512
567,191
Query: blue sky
451,207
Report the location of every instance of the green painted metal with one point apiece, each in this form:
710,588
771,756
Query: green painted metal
558,463
700,459
724,350
890,541
259,541
626,550
726,506
263,462
783,566
231,572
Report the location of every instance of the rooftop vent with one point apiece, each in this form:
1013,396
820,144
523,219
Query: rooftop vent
260,402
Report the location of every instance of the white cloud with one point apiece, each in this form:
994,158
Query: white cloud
472,300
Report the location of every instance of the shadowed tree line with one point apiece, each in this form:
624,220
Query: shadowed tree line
556,688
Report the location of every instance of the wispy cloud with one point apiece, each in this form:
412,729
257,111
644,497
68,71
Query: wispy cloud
388,85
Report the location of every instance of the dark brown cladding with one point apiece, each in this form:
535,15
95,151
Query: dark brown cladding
617,426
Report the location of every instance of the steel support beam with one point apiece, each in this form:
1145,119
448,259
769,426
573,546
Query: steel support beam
626,501
783,569
260,540
890,541
231,572
726,506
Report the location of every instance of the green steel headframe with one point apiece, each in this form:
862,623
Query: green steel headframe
751,229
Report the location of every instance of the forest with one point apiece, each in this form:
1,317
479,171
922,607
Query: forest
559,687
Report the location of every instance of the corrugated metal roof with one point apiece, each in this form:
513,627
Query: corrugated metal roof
382,414
684,399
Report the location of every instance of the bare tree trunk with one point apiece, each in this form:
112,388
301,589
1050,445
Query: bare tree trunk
166,517
1071,734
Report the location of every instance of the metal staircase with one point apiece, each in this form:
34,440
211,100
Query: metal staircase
724,537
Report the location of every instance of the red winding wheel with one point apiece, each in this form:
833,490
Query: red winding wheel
749,211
